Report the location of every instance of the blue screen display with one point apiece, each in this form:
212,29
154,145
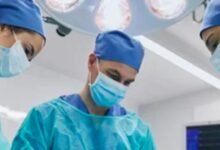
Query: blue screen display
192,139
206,137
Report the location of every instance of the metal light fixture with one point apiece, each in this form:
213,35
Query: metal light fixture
134,17
61,29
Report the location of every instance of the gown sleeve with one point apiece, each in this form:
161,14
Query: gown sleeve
4,144
32,133
149,143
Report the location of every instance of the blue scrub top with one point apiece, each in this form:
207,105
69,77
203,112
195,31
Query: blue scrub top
77,101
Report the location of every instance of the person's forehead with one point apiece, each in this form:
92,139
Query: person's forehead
211,31
41,41
36,42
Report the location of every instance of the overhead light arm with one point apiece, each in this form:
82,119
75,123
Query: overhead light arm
61,30
195,17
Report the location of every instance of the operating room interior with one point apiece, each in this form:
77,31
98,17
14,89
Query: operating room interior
177,86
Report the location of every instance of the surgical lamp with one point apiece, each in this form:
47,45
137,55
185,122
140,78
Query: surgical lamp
134,17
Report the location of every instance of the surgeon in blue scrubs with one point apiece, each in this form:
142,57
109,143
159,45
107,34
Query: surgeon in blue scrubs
21,35
21,39
93,119
210,32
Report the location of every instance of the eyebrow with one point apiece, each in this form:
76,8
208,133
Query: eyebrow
32,49
207,41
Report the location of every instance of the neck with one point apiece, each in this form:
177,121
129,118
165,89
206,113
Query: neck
91,106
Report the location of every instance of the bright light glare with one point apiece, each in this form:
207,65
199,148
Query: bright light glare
113,14
62,5
167,9
179,61
10,114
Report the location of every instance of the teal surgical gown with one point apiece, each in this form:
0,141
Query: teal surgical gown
58,125
4,145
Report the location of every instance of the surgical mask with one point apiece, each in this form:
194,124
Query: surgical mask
13,60
105,91
215,59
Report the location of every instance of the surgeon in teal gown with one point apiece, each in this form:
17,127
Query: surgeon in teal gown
93,119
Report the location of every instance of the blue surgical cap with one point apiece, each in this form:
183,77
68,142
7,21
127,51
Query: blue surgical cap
21,13
119,47
212,16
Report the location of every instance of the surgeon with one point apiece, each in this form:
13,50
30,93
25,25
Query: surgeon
21,35
21,39
94,118
210,32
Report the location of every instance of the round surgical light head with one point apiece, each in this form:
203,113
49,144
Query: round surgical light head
134,17
62,5
167,9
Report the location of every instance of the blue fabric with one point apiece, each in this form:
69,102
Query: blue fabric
75,100
21,13
57,125
119,47
212,15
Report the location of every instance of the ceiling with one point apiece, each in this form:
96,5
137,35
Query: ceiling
158,79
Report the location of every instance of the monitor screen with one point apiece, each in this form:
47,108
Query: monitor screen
203,137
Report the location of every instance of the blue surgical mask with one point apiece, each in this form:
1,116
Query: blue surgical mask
215,59
106,92
13,60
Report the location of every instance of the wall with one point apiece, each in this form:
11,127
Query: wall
169,118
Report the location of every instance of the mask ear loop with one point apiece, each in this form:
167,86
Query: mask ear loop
90,79
90,75
97,65
14,34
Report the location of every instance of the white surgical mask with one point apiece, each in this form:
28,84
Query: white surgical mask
215,59
13,60
105,91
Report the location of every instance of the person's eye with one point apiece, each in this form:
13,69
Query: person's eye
29,53
127,83
214,45
115,77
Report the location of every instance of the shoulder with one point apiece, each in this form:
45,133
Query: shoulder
148,138
144,124
143,127
46,109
